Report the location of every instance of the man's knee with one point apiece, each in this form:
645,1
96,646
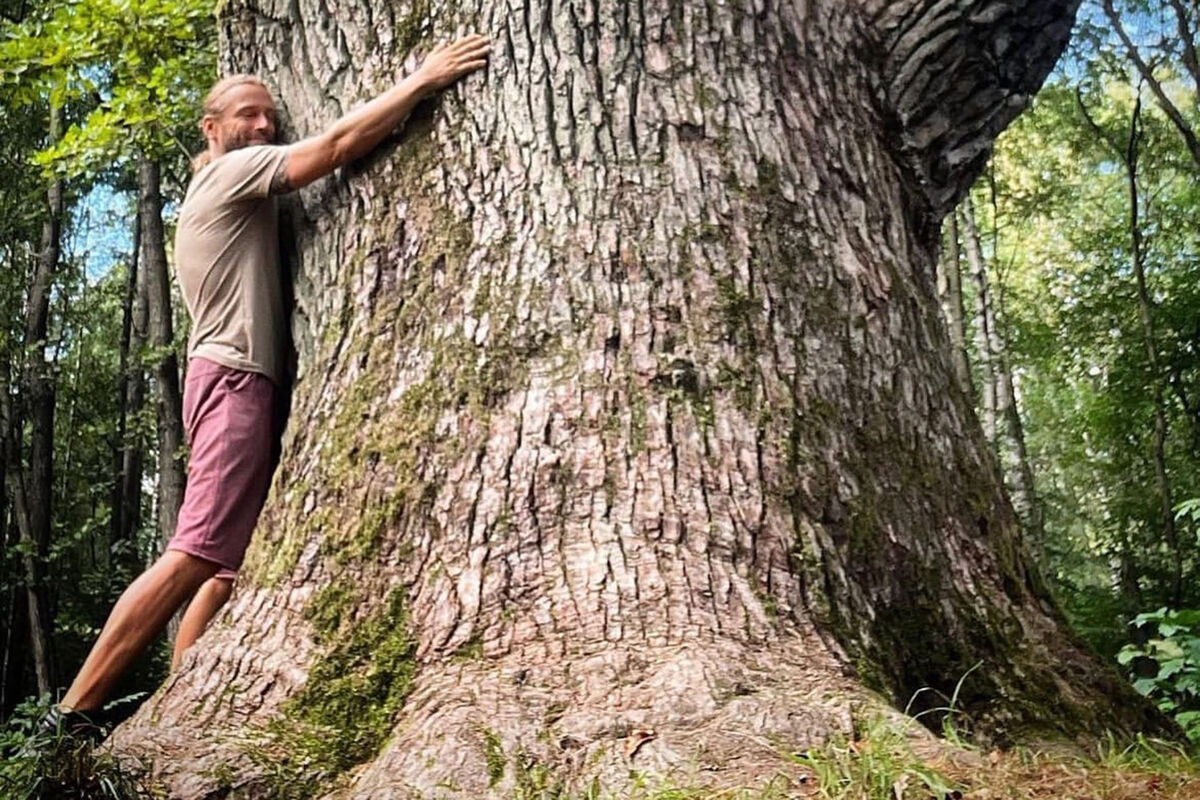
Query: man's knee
188,568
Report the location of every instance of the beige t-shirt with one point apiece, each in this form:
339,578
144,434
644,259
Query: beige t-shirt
227,259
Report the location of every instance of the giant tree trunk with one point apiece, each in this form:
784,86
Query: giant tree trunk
624,405
171,477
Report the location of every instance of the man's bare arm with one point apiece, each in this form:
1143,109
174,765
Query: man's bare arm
359,131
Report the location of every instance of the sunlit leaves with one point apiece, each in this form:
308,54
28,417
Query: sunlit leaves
140,65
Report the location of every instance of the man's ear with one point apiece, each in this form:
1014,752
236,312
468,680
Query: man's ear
208,127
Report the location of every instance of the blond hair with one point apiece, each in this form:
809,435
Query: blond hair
213,106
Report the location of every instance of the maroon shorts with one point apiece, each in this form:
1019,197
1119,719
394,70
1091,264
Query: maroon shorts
229,418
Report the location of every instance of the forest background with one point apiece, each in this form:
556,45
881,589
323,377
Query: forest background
1070,281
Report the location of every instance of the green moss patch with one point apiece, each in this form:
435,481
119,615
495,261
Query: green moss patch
346,711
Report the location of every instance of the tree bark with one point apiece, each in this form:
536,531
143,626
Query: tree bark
624,431
171,476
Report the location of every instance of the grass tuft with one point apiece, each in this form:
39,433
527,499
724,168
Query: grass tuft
61,767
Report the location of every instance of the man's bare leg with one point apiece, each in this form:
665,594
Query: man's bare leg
139,615
204,606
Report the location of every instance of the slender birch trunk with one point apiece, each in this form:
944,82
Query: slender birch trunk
952,303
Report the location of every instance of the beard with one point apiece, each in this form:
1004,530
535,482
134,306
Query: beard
239,139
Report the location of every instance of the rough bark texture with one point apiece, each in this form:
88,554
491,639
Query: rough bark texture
171,476
625,438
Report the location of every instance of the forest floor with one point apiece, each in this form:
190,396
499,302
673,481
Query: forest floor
882,763
895,769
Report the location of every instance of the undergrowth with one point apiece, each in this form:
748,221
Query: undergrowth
61,767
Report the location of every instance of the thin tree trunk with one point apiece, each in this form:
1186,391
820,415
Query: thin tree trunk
1187,39
171,477
16,627
127,455
134,455
1146,314
988,401
1002,417
952,304
72,400
1129,153
33,491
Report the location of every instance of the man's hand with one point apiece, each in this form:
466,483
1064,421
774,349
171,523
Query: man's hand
357,132
446,63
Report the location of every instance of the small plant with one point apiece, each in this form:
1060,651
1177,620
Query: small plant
879,765
955,724
1164,663
38,766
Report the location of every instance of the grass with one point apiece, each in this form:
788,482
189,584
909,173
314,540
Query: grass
881,762
60,767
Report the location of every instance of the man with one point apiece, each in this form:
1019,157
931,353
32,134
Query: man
227,261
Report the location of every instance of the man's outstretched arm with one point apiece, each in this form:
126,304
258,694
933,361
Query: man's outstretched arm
359,131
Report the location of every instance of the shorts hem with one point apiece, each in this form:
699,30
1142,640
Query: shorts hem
195,551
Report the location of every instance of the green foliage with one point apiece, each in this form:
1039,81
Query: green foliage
1054,211
60,767
139,67
1164,663
126,76
1147,754
493,753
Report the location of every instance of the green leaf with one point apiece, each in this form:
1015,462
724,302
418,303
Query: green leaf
1128,653
1168,668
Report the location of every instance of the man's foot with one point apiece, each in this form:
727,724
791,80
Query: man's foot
82,726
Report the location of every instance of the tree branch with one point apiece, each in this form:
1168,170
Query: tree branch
1164,102
1188,39
956,73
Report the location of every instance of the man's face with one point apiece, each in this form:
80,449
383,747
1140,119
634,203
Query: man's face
248,118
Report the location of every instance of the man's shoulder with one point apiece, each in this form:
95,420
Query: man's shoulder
240,162
242,174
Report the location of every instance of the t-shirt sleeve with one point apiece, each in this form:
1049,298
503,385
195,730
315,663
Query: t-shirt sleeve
248,173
